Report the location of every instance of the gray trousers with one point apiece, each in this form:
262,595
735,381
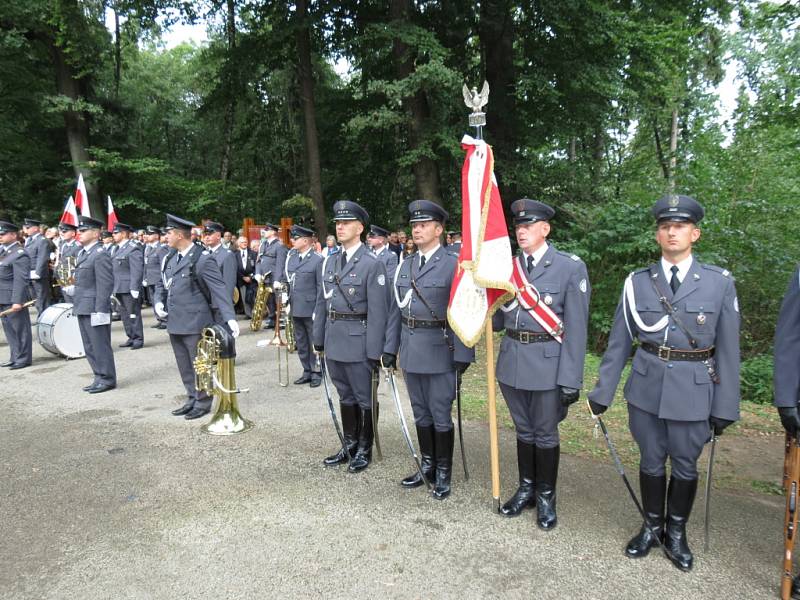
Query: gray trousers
353,381
131,315
536,415
681,441
432,396
17,327
302,336
97,345
42,291
185,349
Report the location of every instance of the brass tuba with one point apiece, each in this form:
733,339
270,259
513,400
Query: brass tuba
263,292
214,374
65,271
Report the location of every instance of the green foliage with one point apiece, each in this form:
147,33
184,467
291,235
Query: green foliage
756,379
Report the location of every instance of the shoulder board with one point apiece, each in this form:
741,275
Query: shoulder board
724,272
455,254
642,270
569,255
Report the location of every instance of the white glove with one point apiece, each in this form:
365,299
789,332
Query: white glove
34,275
160,310
259,277
277,286
135,294
100,319
234,328
284,298
144,282
69,290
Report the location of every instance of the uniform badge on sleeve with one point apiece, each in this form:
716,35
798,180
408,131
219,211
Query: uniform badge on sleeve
381,279
582,285
736,304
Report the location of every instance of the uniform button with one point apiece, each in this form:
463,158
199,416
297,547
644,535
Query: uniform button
672,328
669,366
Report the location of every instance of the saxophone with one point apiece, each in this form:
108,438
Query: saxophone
263,292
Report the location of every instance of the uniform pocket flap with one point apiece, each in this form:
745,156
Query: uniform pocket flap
698,306
550,288
649,307
436,283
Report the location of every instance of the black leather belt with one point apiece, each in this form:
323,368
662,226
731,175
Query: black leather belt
413,323
340,316
666,353
528,337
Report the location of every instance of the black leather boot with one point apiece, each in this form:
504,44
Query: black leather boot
427,452
365,437
443,442
525,496
679,507
546,476
654,491
350,422
796,586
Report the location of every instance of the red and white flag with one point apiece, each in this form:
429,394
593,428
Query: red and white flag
111,216
483,279
81,199
70,215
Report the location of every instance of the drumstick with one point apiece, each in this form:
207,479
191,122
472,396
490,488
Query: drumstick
8,311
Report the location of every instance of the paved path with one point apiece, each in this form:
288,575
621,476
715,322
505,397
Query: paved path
109,496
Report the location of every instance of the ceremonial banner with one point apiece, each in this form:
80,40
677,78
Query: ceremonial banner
81,199
70,215
111,216
483,279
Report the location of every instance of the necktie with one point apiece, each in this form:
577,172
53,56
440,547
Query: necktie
422,262
178,258
674,283
530,265
342,260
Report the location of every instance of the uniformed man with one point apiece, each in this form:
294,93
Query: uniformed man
190,287
684,381
269,265
154,254
15,269
38,249
107,239
304,279
455,241
226,259
349,326
377,238
540,365
68,249
94,284
786,377
127,258
430,355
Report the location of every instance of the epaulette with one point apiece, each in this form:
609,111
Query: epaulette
574,257
724,272
452,253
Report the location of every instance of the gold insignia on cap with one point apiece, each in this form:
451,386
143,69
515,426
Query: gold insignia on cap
673,201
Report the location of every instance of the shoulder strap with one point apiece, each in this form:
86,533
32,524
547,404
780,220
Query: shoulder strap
671,312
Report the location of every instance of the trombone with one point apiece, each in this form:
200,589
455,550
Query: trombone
287,346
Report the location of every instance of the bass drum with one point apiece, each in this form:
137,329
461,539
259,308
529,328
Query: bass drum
58,331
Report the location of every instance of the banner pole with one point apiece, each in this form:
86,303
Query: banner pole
494,450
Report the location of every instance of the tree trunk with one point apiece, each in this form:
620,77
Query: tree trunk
673,151
426,171
77,127
117,53
306,80
497,35
230,108
598,153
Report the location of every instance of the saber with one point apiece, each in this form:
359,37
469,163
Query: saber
329,398
707,542
621,470
390,378
375,409
460,426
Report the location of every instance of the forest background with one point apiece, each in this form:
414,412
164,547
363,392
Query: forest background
597,107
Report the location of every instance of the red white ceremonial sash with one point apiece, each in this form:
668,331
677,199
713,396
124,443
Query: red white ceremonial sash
528,298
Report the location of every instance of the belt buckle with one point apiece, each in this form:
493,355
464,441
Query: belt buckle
411,322
331,314
525,337
664,352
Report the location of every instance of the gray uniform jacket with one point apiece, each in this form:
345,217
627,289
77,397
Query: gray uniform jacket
362,283
15,269
786,377
305,279
272,260
152,262
128,262
228,266
94,282
38,248
389,260
425,350
562,280
678,390
183,299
